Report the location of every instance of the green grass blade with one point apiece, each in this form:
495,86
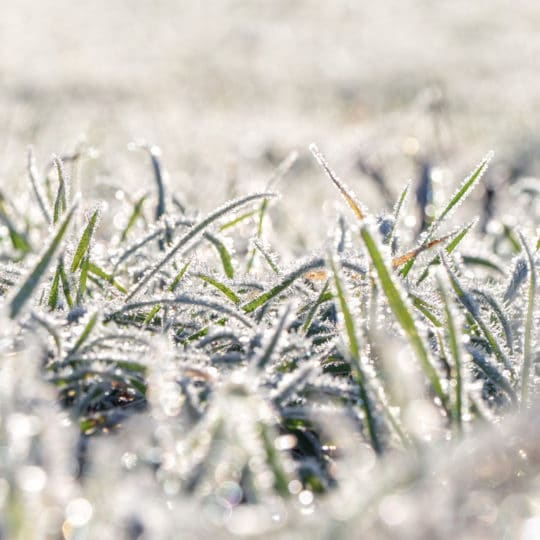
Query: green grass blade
451,246
151,315
60,201
354,354
397,212
461,193
237,220
83,278
178,277
224,255
137,212
282,285
97,271
402,314
52,302
32,280
192,233
229,293
65,284
84,242
425,309
18,239
268,256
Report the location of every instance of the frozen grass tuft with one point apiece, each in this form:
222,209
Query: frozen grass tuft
183,376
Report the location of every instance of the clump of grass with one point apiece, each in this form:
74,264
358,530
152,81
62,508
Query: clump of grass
248,372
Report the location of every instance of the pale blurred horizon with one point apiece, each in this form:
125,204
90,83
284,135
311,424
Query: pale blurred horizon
228,88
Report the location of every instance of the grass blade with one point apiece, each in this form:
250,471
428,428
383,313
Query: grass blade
346,193
397,212
84,242
451,246
402,313
461,193
60,202
53,294
354,354
229,293
137,212
282,285
224,255
97,271
32,280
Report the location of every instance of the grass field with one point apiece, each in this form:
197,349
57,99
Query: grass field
211,326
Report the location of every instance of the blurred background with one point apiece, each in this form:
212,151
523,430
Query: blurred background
228,88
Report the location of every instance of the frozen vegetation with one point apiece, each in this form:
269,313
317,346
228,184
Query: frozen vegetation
176,374
220,330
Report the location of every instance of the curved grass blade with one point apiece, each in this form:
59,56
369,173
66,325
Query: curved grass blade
84,242
354,355
269,257
60,202
346,193
237,220
461,193
137,212
32,280
519,274
97,271
282,285
451,246
178,277
529,324
402,313
196,229
402,259
184,299
397,212
229,293
492,373
471,306
425,309
224,255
